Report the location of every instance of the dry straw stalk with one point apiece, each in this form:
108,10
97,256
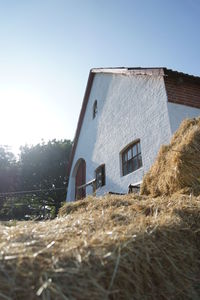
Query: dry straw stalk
116,247
177,167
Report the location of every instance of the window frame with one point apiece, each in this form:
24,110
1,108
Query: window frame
94,109
101,169
131,158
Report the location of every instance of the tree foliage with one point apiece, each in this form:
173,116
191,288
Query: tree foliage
40,167
8,170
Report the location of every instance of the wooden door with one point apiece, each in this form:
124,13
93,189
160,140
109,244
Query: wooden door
80,180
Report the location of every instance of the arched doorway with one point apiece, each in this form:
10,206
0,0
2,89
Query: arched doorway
80,179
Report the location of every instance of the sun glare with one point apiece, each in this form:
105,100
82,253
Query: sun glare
23,118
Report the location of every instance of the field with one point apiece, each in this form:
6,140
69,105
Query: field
114,247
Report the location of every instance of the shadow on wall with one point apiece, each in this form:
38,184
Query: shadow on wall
109,187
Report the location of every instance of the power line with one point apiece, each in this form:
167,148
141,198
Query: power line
30,192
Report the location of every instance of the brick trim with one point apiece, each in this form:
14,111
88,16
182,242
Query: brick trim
183,90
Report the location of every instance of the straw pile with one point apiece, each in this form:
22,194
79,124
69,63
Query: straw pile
116,247
177,167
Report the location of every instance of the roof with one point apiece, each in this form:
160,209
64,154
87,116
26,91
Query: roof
156,71
127,71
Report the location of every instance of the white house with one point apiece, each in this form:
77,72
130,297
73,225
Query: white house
127,113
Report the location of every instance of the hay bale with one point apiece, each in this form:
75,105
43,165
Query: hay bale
116,247
177,167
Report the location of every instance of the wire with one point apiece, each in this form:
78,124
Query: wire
29,192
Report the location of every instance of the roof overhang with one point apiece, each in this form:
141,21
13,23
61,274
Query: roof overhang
80,120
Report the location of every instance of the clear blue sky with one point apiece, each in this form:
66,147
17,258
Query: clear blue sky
48,46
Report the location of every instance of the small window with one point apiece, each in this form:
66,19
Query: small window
100,176
94,109
131,158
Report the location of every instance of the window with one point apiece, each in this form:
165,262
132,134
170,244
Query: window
94,109
100,176
131,158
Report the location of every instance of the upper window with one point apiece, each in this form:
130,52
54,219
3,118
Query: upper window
100,176
94,113
131,158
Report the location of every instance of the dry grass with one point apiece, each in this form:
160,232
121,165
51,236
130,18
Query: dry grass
177,167
116,247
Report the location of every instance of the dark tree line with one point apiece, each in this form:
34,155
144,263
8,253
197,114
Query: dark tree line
41,167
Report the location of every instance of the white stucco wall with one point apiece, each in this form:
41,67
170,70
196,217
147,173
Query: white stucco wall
178,112
129,107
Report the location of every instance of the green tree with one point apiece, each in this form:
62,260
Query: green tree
44,166
9,173
8,170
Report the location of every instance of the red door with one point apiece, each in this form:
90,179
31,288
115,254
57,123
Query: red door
80,180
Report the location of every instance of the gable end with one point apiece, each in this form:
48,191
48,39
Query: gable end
182,88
